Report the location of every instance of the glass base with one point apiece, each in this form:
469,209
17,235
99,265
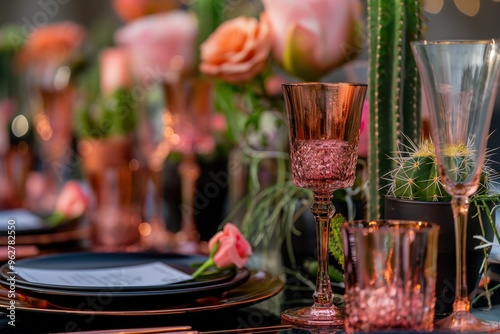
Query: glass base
313,316
466,322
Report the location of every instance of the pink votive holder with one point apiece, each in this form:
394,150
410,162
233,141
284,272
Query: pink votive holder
390,275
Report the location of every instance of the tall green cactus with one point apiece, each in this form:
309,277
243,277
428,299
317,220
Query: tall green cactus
394,91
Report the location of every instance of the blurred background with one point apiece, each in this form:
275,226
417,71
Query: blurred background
445,19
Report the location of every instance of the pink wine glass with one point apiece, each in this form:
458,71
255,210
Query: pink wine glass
324,122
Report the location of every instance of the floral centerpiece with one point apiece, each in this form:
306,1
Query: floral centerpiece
249,57
246,59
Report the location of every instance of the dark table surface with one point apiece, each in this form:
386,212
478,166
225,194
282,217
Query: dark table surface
265,313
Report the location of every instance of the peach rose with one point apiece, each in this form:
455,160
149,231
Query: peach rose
114,70
233,247
129,10
238,49
161,46
53,43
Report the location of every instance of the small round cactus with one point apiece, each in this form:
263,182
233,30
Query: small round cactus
417,175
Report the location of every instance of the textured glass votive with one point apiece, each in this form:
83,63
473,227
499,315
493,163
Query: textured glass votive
390,274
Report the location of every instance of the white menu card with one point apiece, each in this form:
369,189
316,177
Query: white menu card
149,274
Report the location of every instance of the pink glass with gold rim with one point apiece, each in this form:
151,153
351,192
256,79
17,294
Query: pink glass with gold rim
324,122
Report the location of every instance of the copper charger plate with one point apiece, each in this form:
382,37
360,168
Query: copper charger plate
260,286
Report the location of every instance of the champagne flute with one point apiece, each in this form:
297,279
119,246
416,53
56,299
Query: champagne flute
460,80
324,122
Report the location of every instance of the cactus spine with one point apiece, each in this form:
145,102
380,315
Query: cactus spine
417,177
394,91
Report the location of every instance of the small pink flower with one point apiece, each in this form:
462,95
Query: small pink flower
274,85
114,69
72,202
227,247
233,247
218,122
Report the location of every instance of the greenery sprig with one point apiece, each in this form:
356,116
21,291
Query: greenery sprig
486,203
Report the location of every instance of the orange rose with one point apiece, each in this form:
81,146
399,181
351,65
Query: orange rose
55,43
129,10
238,49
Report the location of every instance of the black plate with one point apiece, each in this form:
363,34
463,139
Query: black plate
260,286
111,299
82,261
30,223
118,298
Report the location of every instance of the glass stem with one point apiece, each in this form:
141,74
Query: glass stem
460,207
323,211
189,171
157,219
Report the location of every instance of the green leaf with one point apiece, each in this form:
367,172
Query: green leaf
335,242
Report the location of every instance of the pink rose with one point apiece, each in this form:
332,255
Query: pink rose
227,247
312,37
72,202
162,46
274,85
238,49
233,247
114,70
129,10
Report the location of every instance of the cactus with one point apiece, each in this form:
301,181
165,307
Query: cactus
416,176
394,91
